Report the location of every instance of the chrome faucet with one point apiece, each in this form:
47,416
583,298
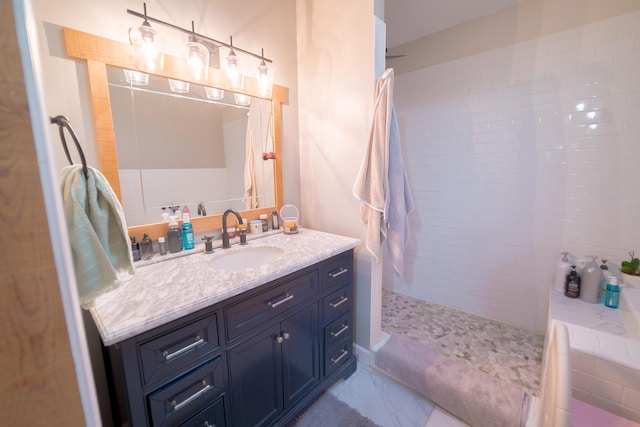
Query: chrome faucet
225,234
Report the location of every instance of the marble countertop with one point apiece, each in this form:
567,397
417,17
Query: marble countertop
599,330
161,292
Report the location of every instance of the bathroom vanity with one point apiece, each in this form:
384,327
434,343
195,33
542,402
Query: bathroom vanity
192,342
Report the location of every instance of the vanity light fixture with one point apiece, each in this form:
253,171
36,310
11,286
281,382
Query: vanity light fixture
241,99
214,93
178,86
264,76
196,56
150,57
136,78
147,45
236,79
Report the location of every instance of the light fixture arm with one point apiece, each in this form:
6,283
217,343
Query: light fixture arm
192,32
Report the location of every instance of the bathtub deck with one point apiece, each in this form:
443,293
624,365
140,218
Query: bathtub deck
500,350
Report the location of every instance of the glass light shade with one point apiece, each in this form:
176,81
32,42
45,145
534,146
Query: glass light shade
178,86
235,76
214,93
197,58
264,77
136,78
241,99
148,48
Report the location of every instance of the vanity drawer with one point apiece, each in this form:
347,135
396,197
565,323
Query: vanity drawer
337,271
174,403
246,314
179,349
338,330
212,416
337,303
338,356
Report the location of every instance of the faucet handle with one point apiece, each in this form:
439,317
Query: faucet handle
208,244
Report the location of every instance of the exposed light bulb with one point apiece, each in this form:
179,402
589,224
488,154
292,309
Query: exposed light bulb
147,45
197,58
264,76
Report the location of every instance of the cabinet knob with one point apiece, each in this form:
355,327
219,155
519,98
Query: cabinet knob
286,335
279,339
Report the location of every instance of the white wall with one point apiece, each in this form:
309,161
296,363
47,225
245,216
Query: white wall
336,47
508,169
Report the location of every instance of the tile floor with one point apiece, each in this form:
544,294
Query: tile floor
388,404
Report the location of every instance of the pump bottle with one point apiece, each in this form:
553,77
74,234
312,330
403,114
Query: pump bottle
187,232
174,236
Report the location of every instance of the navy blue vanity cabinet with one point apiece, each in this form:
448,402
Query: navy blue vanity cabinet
167,375
274,367
259,358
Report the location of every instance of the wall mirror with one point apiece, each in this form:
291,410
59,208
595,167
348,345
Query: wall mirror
186,149
105,58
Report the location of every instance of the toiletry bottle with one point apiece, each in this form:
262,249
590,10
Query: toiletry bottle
146,247
265,223
612,296
590,282
275,224
174,235
135,248
187,232
572,287
162,246
606,275
562,269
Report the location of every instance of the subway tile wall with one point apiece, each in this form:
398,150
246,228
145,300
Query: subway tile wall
515,155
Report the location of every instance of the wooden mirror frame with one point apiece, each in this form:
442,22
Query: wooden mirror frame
99,52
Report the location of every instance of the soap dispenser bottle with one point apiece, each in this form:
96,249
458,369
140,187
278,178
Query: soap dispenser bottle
562,270
187,232
146,247
572,287
591,278
174,236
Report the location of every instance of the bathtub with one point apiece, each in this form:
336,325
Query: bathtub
605,350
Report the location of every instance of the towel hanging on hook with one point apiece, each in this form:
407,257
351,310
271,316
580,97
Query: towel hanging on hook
62,123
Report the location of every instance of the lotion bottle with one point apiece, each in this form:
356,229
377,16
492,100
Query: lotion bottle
187,232
590,284
562,270
174,236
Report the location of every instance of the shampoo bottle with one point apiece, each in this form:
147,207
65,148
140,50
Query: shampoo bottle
187,232
174,236
572,288
562,270
590,284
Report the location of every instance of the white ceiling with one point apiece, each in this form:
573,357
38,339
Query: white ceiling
408,20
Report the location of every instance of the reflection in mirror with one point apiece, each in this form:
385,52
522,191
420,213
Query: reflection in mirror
186,149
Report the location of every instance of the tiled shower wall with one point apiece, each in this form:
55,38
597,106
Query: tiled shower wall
515,155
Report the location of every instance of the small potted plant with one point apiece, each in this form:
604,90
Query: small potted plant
631,271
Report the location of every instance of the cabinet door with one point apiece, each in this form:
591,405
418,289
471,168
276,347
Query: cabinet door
300,354
255,378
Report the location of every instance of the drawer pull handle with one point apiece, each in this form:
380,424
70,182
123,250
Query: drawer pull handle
339,272
339,303
204,389
287,297
169,356
344,329
342,356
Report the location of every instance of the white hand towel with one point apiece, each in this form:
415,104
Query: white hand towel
97,232
250,188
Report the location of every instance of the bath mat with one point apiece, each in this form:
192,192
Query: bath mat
331,411
471,395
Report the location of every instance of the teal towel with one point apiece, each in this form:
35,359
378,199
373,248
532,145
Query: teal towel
97,232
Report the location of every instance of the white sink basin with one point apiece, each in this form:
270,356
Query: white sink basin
245,257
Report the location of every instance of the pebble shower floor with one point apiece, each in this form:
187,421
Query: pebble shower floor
504,351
